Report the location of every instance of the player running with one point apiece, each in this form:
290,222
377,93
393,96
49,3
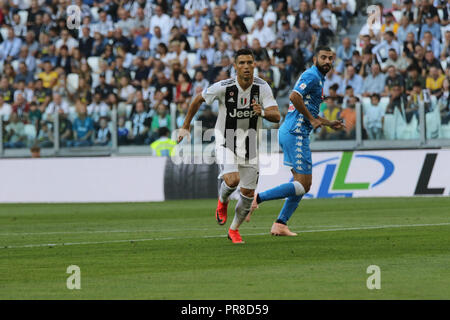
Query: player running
243,102
302,117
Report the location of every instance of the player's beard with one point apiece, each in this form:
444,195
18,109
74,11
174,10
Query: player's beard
324,68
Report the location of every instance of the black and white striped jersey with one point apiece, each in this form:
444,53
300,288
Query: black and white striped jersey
237,124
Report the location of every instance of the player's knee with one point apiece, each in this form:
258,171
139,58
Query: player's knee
307,187
231,181
247,193
305,184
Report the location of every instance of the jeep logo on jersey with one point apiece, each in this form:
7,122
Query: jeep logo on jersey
241,114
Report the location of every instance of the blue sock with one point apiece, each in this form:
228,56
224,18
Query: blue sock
282,191
288,209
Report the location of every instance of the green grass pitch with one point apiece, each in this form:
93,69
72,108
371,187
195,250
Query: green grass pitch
176,250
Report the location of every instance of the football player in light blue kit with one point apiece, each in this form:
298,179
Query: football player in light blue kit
303,116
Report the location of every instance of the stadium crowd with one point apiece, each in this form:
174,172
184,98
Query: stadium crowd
145,58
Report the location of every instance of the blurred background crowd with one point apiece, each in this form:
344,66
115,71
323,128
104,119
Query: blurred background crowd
146,59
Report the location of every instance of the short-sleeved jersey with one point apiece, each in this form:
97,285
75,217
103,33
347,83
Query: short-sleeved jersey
236,117
310,87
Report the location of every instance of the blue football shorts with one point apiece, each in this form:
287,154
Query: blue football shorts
297,153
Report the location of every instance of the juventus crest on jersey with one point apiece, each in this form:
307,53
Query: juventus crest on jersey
237,124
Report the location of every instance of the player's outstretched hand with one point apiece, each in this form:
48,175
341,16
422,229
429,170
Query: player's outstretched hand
183,133
337,125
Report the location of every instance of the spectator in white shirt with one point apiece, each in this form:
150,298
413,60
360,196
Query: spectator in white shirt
269,17
374,82
97,108
196,24
264,34
10,47
353,79
141,20
400,63
20,29
205,51
105,26
373,118
320,12
53,108
160,20
68,40
157,38
381,50
5,109
125,22
240,6
196,5
178,20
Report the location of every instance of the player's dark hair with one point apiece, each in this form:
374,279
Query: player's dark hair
244,52
321,48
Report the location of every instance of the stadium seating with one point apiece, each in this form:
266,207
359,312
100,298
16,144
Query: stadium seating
389,127
4,32
249,21
94,13
394,128
445,132
251,7
291,19
191,41
23,17
276,76
15,65
351,7
129,125
72,113
397,15
334,22
30,132
406,131
191,60
94,64
433,123
191,73
72,82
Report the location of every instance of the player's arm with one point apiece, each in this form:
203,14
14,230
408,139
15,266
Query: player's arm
335,124
193,108
297,100
271,114
208,95
268,107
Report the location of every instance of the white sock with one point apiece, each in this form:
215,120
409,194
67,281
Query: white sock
241,211
224,192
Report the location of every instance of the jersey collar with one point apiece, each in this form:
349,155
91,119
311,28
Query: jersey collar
239,86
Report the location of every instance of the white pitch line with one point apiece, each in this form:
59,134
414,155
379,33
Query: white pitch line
128,231
222,235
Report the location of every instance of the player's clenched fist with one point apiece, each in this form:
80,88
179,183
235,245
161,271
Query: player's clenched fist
256,107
